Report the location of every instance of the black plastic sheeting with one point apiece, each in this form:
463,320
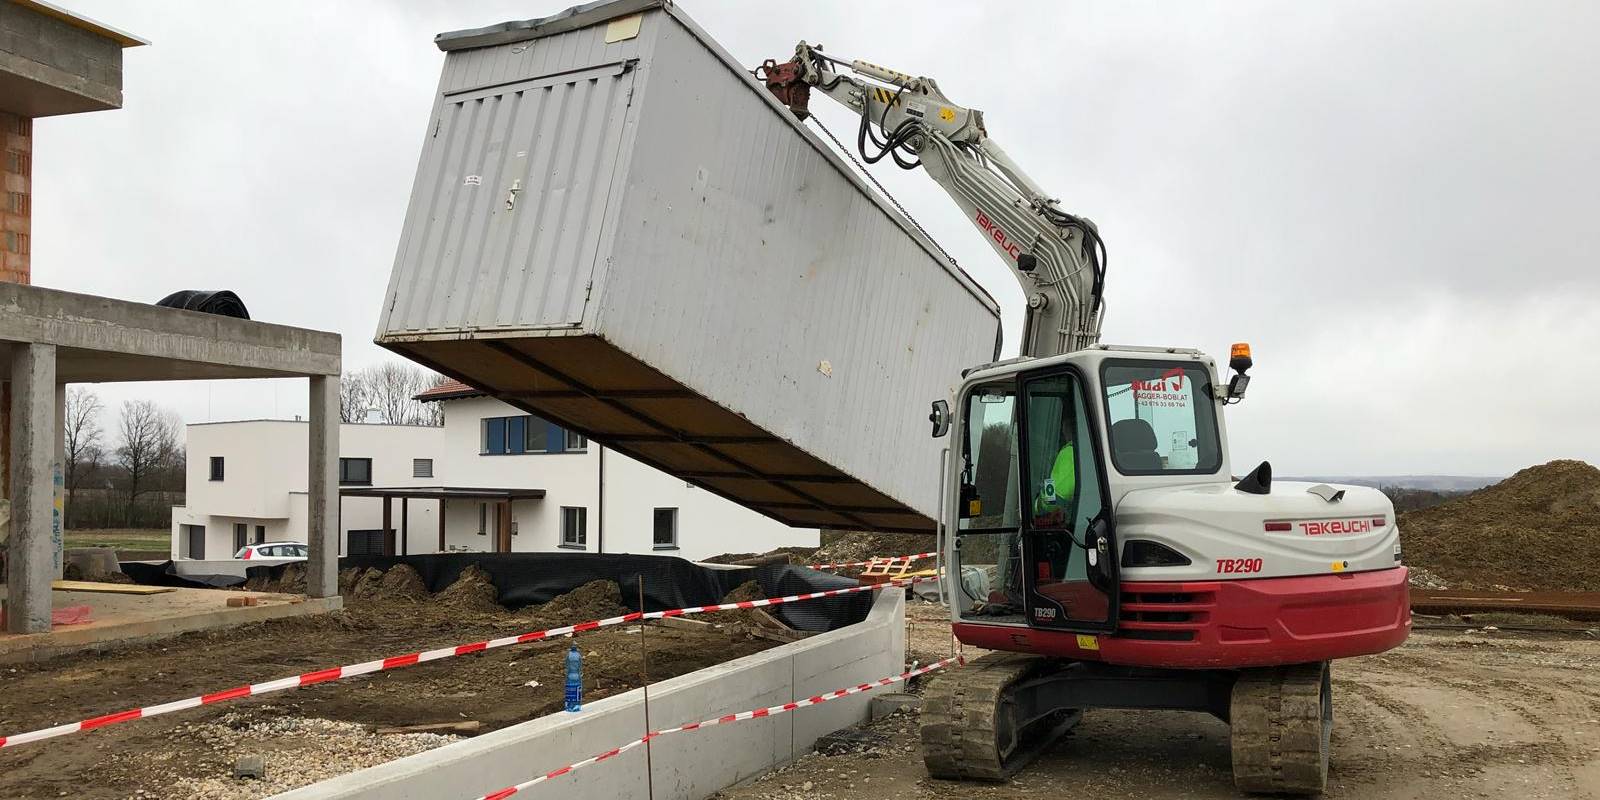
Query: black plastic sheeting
222,303
524,579
163,574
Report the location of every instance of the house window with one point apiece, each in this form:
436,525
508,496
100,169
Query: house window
421,467
574,527
194,541
483,519
666,529
355,472
528,434
537,438
241,534
494,435
261,534
216,468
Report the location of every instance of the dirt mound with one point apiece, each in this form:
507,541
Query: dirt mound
847,546
751,618
292,580
796,555
1536,530
749,590
473,592
348,577
593,600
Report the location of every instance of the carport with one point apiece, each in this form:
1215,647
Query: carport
501,498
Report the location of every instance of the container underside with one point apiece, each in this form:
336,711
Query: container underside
586,384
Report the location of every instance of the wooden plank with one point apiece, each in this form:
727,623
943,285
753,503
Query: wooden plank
468,727
107,588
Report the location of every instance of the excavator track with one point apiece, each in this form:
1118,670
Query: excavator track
972,729
1282,720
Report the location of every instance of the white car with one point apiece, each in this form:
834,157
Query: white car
282,550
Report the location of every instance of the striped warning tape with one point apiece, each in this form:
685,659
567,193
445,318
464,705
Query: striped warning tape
397,662
879,560
739,717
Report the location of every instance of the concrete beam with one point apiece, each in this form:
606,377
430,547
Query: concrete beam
322,485
53,62
34,427
103,339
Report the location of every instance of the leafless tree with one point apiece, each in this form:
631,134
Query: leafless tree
149,446
353,397
83,433
391,388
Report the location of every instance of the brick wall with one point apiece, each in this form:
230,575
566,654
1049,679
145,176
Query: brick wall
16,196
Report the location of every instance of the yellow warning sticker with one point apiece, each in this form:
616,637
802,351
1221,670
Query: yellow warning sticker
947,114
1086,642
1340,566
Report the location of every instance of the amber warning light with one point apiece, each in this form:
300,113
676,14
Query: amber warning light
1239,360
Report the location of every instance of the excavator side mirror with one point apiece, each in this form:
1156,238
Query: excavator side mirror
940,417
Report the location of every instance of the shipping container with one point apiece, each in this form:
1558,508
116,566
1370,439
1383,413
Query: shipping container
614,226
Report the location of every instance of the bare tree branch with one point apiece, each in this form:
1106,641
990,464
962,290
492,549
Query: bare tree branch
354,397
149,446
392,387
82,429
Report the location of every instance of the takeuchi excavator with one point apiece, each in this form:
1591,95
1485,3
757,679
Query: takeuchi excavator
1092,534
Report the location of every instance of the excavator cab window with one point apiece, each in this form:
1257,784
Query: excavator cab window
1067,548
988,536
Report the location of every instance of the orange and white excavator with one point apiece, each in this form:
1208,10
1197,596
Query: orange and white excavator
1092,535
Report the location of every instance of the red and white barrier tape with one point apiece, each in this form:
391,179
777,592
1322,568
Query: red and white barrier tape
739,717
396,662
881,560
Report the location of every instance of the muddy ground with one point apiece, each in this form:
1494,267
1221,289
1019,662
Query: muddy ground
320,731
1450,715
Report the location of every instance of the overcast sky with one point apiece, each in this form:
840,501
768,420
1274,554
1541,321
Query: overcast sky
1396,204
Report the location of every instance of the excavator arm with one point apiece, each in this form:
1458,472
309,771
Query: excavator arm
1058,258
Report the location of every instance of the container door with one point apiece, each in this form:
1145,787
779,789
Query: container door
521,175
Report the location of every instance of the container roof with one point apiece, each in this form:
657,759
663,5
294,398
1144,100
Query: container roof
522,30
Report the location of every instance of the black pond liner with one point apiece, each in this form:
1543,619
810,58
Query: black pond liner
524,579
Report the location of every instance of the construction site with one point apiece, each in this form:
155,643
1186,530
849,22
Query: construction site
1027,563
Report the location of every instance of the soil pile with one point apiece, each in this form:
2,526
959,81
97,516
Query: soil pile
594,600
749,618
844,547
1536,530
291,581
795,555
401,583
472,592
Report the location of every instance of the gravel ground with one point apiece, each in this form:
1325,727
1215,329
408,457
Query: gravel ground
1449,715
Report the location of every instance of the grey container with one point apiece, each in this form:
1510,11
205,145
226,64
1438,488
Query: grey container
614,226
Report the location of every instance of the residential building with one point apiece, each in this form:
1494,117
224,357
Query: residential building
506,481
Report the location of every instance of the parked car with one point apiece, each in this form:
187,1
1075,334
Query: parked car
294,550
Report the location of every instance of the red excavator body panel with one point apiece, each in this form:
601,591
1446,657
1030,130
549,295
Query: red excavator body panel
1230,624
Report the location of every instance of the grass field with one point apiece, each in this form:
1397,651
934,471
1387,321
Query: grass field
121,538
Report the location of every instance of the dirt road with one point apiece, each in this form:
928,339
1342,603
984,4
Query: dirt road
317,732
1449,715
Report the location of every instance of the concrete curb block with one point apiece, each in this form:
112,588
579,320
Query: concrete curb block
688,767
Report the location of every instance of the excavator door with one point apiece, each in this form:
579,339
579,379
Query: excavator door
1068,546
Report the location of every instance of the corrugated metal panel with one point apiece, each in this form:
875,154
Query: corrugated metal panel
758,322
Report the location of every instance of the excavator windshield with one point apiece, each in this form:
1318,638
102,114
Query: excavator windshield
1161,417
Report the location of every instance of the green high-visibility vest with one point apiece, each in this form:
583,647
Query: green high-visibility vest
1062,485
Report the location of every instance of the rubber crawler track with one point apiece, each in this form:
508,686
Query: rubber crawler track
1281,721
964,723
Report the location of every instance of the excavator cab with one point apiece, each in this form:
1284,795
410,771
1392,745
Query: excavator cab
1034,535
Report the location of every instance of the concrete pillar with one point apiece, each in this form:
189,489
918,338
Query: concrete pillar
16,197
34,430
58,478
322,490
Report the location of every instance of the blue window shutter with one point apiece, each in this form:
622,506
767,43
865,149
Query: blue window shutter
515,431
555,439
494,435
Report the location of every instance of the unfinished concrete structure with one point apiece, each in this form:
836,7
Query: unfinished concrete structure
50,338
55,62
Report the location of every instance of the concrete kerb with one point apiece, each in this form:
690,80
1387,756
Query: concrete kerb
687,766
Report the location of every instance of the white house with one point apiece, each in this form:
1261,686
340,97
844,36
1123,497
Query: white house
506,481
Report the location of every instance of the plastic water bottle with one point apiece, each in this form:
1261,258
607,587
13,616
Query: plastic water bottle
574,679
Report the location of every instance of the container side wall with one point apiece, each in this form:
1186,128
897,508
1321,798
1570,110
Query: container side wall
826,324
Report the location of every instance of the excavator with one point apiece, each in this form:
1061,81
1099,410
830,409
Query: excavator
1092,535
